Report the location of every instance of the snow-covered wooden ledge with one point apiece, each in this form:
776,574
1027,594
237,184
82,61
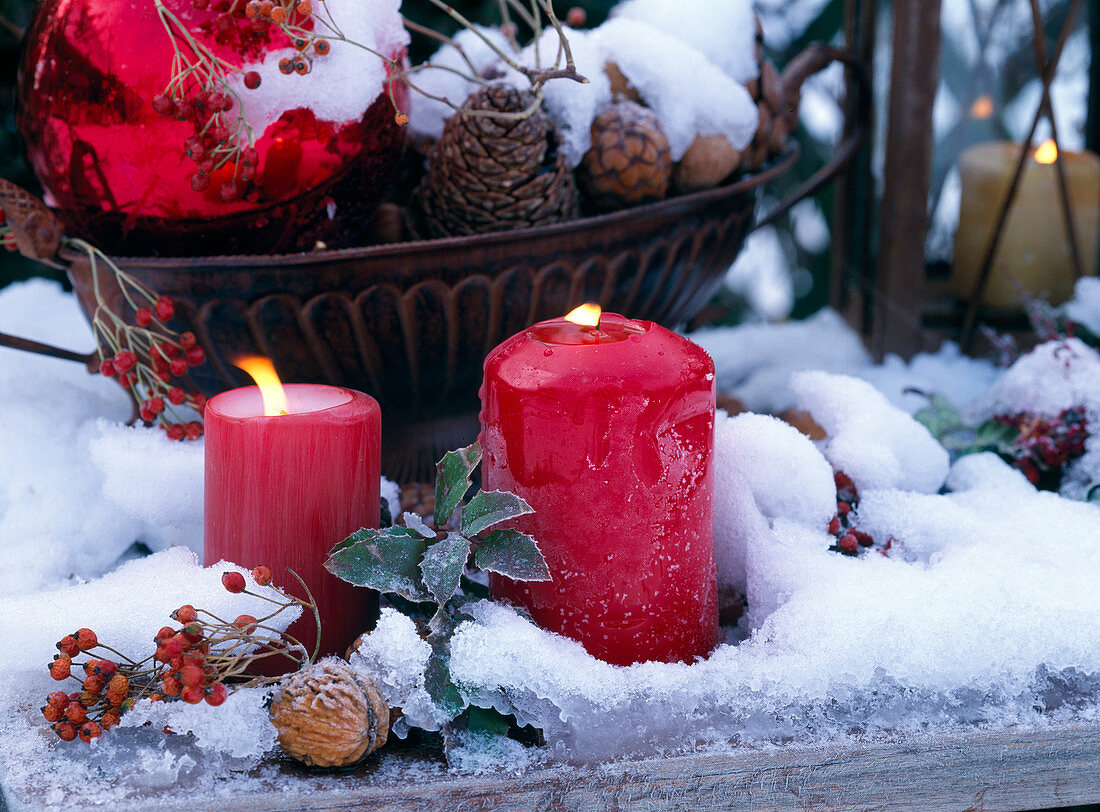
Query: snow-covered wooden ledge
1025,769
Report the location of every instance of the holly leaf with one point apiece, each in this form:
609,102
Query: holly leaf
994,435
443,565
440,686
387,560
512,554
452,480
940,416
414,522
491,507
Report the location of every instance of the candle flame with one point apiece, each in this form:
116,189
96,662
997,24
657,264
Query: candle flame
587,315
982,108
262,371
1047,153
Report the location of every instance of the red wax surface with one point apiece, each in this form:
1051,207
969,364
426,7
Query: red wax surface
282,490
609,435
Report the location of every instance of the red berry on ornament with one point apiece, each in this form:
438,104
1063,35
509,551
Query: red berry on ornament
174,432
107,367
195,356
163,104
193,430
143,317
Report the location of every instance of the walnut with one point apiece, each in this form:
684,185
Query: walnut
708,161
328,716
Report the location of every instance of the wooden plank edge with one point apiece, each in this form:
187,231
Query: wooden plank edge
987,770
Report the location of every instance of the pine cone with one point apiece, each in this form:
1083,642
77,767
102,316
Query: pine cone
630,161
488,173
327,716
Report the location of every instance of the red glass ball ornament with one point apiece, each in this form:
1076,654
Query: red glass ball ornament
139,182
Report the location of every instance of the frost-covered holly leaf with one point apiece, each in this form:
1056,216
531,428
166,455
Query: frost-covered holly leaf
414,522
442,566
513,554
387,560
452,480
491,507
440,686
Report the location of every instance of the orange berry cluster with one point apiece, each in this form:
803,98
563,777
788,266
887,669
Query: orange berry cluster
195,662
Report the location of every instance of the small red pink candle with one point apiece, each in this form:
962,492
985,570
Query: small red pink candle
286,482
607,430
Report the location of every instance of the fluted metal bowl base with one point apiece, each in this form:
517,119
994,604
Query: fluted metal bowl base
410,323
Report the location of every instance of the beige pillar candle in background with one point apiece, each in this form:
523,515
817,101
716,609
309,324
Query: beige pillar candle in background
1034,248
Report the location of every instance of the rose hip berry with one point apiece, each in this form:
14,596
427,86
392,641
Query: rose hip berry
217,694
262,574
185,614
233,582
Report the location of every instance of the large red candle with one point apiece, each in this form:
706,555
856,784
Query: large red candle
608,433
282,489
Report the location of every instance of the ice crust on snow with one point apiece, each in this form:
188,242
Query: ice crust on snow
395,656
326,89
983,613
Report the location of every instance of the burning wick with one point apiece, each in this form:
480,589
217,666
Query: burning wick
1047,153
587,315
262,371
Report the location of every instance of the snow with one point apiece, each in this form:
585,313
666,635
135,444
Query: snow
982,613
874,442
1085,306
449,79
374,24
691,76
724,31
